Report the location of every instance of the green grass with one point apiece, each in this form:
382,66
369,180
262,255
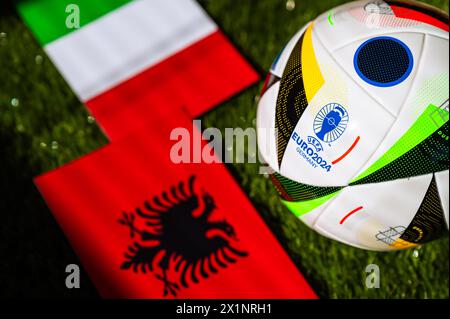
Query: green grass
49,115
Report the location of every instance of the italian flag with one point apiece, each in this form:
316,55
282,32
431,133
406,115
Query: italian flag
131,60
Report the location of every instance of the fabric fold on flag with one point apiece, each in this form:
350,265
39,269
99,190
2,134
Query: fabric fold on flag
145,227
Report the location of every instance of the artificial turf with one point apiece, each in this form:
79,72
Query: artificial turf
43,125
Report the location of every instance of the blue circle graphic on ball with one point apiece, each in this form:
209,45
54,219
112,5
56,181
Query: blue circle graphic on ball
330,123
383,61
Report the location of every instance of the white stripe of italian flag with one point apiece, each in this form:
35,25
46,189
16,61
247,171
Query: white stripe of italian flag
131,60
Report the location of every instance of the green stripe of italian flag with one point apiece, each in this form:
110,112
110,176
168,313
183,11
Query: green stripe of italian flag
132,59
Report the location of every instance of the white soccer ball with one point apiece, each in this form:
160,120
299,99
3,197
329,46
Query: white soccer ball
353,119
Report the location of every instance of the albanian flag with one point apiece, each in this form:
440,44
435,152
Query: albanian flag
131,60
145,227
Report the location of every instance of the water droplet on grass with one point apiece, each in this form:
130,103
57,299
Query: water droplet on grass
39,59
415,253
20,128
15,102
3,38
290,5
90,119
55,145
43,145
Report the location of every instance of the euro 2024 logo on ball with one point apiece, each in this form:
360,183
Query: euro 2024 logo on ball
330,123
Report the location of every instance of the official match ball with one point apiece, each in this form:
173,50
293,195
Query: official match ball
353,122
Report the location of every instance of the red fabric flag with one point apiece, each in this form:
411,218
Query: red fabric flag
145,227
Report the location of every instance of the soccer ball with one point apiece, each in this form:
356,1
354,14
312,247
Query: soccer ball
353,121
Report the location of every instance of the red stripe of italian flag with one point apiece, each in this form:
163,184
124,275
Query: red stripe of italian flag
133,59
